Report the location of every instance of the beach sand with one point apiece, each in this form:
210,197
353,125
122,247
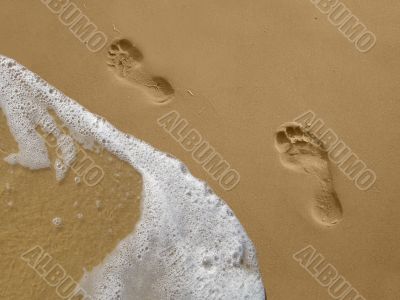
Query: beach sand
238,70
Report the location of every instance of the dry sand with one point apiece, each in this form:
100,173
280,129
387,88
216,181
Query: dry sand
239,70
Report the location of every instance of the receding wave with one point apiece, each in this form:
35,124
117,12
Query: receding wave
188,243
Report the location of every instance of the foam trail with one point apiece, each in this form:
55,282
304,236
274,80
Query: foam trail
188,243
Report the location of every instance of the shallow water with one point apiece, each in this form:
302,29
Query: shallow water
187,243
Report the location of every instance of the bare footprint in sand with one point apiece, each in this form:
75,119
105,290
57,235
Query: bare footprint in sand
126,60
302,152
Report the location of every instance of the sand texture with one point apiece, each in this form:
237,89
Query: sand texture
238,73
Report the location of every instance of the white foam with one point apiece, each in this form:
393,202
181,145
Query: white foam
188,243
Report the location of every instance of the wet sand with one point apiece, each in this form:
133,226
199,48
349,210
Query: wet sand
239,71
93,220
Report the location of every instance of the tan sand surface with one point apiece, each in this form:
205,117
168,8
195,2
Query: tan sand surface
239,70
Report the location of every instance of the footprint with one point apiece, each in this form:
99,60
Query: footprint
127,62
302,152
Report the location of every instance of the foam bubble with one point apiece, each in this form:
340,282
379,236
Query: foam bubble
57,221
188,243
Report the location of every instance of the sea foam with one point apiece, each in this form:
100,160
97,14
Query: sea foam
188,243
